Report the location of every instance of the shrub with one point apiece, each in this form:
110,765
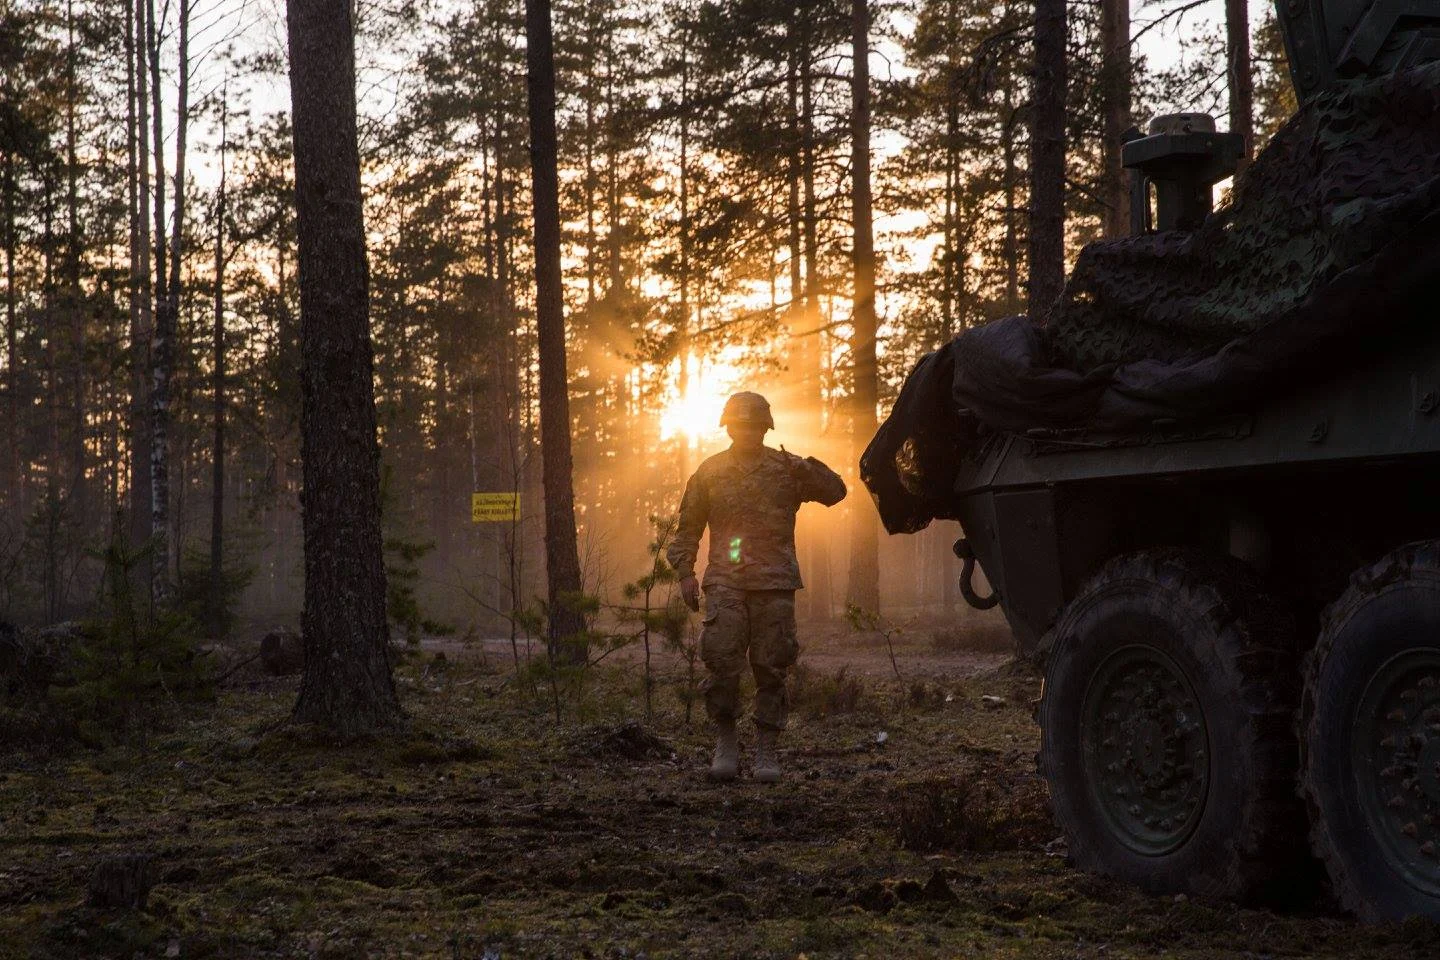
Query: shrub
819,694
131,663
988,809
990,636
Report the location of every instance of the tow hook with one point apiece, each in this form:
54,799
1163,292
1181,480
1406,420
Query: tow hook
967,577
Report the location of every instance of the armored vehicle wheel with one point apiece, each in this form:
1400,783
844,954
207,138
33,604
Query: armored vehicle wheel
1371,737
1166,727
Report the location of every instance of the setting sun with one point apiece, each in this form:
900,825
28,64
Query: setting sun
695,413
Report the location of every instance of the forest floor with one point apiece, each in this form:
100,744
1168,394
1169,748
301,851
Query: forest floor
910,824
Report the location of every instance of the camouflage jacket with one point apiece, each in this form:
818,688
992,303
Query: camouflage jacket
749,503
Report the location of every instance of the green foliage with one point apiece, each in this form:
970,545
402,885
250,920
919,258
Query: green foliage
132,665
645,614
649,613
402,601
870,621
193,595
403,554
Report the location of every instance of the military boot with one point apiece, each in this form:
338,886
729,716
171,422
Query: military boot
727,752
767,760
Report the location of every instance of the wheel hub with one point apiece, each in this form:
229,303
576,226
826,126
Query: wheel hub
1146,749
1396,759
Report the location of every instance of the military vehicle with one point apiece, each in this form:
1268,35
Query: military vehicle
1222,537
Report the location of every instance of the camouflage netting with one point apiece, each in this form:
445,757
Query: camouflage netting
1346,177
1333,239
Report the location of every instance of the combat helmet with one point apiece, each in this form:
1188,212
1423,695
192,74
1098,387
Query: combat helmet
747,407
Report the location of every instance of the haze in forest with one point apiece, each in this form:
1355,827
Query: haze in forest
704,168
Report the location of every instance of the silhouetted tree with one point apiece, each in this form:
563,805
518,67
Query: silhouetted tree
347,685
562,555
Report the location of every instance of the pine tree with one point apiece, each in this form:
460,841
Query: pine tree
562,557
347,686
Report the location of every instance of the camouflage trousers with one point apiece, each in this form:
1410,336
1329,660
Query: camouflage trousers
753,625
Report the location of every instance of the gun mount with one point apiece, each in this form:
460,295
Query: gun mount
1174,169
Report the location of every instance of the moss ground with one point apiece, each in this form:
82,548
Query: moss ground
490,830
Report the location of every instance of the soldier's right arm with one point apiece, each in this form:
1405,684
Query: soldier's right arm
694,513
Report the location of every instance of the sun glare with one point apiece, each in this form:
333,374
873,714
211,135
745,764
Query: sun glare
695,414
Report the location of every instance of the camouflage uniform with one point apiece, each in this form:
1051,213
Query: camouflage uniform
749,502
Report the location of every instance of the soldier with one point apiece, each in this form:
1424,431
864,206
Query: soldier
748,495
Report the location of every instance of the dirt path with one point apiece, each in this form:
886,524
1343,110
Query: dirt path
824,647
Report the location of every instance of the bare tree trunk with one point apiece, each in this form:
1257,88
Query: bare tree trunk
864,582
162,345
1047,158
1239,76
591,281
807,535
613,234
1012,233
50,318
217,479
167,316
78,494
1115,93
683,326
140,317
562,556
12,345
810,360
948,298
347,686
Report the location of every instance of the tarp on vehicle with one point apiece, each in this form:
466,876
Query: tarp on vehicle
1332,237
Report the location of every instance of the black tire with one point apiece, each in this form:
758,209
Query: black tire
1180,631
1363,766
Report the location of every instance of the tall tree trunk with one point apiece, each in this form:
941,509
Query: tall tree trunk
562,556
12,345
1047,158
683,325
162,345
347,686
613,233
52,404
141,317
217,479
684,348
1239,76
864,582
74,242
167,316
1011,244
1115,94
948,298
591,279
809,355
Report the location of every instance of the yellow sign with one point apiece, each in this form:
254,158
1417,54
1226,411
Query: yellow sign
494,507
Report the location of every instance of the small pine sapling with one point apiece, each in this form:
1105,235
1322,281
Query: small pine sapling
644,614
131,661
869,621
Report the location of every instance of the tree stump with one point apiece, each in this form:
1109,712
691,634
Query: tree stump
281,653
121,882
31,660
